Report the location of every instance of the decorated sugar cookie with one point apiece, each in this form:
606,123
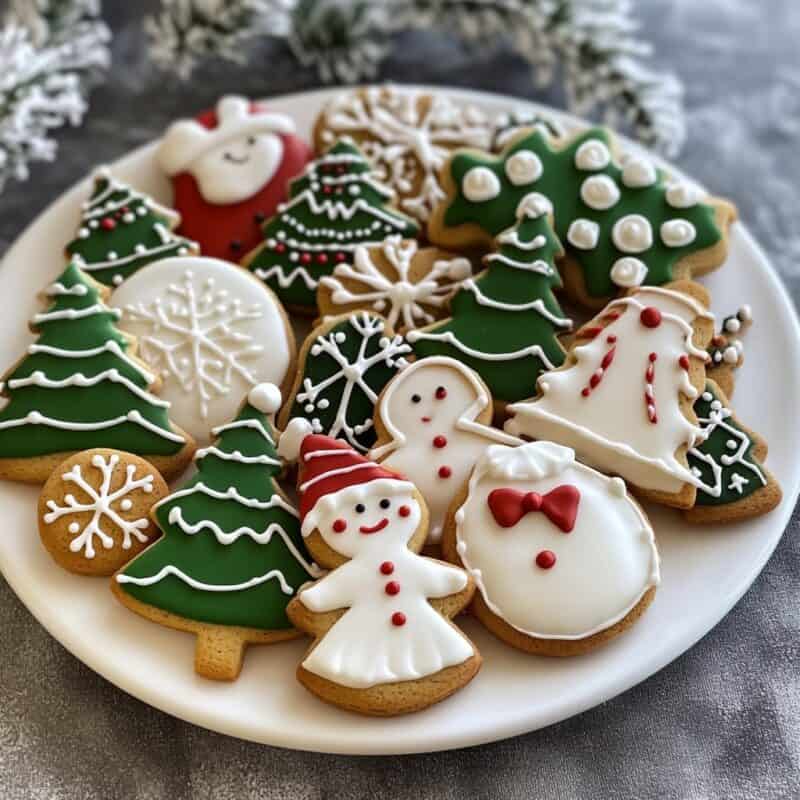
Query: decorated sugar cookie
624,224
732,481
80,385
94,510
230,169
212,332
563,558
383,640
232,555
506,321
343,366
406,134
408,286
623,400
122,230
433,423
334,207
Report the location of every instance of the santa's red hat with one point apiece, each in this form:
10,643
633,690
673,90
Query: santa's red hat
234,116
331,474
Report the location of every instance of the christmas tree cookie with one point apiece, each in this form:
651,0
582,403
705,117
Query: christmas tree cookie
383,640
122,230
727,462
342,368
623,224
726,351
408,286
80,385
505,322
623,399
232,555
335,206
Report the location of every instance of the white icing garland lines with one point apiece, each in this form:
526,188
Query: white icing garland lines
235,455
259,537
94,266
255,424
276,501
538,305
111,346
510,236
539,265
170,569
277,273
58,288
101,501
336,209
75,313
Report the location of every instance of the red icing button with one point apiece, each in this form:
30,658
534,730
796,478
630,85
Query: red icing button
441,393
387,568
393,587
545,559
398,618
341,257
108,224
650,317
683,361
339,526
404,511
306,258
280,247
322,258
440,441
445,472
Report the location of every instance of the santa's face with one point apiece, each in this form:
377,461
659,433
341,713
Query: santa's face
370,522
430,397
238,168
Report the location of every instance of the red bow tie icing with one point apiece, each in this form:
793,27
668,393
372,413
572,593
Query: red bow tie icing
560,506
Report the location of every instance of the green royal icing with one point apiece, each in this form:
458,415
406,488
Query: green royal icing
344,372
220,553
509,308
333,207
123,230
560,182
43,418
726,473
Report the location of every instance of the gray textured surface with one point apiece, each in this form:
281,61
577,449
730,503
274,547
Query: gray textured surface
722,721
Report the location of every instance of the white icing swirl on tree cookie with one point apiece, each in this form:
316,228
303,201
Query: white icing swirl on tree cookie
632,234
480,184
600,192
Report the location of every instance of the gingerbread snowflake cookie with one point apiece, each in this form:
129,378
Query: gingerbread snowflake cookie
564,560
407,135
94,510
408,286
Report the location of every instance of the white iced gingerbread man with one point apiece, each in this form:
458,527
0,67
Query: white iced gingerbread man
435,415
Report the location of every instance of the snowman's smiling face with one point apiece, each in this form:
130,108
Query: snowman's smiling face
238,168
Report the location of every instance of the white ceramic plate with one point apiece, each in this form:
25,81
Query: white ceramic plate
705,570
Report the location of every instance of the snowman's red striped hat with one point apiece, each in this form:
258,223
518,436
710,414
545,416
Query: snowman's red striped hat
331,474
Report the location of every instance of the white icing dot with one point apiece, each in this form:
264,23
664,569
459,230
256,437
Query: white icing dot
731,444
141,211
730,355
323,404
716,405
117,280
534,205
677,232
73,527
732,325
355,189
628,272
616,487
745,313
708,397
126,504
523,167
480,184
112,255
140,248
583,234
34,417
632,234
83,233
638,173
93,223
128,217
682,195
265,397
592,154
599,192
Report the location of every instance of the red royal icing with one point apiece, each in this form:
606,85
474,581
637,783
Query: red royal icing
440,441
393,587
545,559
398,618
339,526
441,393
683,362
108,224
650,317
404,511
559,505
445,472
386,568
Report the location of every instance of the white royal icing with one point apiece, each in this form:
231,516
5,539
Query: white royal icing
677,232
638,173
523,167
603,566
583,234
600,192
628,272
592,155
480,184
683,195
210,330
632,234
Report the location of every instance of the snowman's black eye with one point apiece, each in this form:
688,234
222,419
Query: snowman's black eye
385,503
360,508
251,140
415,398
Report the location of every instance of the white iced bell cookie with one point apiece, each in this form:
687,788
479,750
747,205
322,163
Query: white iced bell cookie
480,184
523,167
211,331
628,272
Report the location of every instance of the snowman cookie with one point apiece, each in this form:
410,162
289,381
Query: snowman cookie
564,560
383,640
230,169
433,423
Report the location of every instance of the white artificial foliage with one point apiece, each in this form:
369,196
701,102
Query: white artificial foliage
51,51
101,506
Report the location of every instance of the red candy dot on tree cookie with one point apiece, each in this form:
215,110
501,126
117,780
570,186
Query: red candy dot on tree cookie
650,317
387,568
393,587
339,526
108,224
398,618
545,559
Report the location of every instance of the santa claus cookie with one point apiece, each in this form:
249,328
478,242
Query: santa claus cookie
211,330
230,168
563,559
383,640
433,423
94,510
623,399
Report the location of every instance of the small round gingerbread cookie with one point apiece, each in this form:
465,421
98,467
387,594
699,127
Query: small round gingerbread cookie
94,510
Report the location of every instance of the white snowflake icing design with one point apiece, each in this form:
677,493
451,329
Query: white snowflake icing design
397,298
411,135
198,337
352,374
101,505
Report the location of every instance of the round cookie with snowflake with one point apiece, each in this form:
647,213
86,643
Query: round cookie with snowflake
211,330
94,511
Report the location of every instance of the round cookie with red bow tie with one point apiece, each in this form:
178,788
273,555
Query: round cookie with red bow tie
563,559
230,168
